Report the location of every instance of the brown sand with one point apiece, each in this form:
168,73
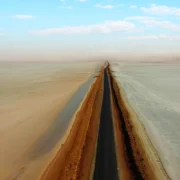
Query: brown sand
69,161
74,159
24,117
86,165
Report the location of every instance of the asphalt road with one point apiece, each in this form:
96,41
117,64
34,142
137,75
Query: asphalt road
105,164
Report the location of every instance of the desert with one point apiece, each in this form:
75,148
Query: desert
32,95
92,120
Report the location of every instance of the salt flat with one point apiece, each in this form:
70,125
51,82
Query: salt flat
31,96
153,92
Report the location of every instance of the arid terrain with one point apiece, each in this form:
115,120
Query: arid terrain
152,92
98,120
31,97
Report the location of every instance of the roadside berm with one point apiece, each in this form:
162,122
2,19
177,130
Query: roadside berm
106,140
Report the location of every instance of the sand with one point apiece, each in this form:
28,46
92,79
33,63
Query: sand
74,159
85,152
31,96
151,91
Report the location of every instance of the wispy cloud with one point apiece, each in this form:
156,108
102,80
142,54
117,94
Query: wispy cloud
161,10
163,24
23,16
109,6
82,0
147,37
155,22
106,27
174,37
65,7
142,18
152,37
133,6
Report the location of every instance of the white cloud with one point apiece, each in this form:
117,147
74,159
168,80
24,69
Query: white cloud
152,37
176,37
109,6
62,0
147,37
106,27
155,22
162,24
23,16
161,10
133,6
66,7
105,6
141,18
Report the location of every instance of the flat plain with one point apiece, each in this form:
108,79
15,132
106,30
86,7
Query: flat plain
152,90
88,120
32,94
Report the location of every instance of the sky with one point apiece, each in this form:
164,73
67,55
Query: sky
57,29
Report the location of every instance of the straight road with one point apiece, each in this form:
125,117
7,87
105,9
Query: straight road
105,164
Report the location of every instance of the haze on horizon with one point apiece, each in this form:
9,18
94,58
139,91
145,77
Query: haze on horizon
88,29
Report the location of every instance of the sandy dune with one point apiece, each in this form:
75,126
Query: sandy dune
31,96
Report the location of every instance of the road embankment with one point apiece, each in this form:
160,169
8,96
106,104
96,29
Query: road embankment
106,162
106,140
75,158
139,160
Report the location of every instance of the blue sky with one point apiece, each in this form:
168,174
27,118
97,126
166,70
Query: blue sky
30,28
